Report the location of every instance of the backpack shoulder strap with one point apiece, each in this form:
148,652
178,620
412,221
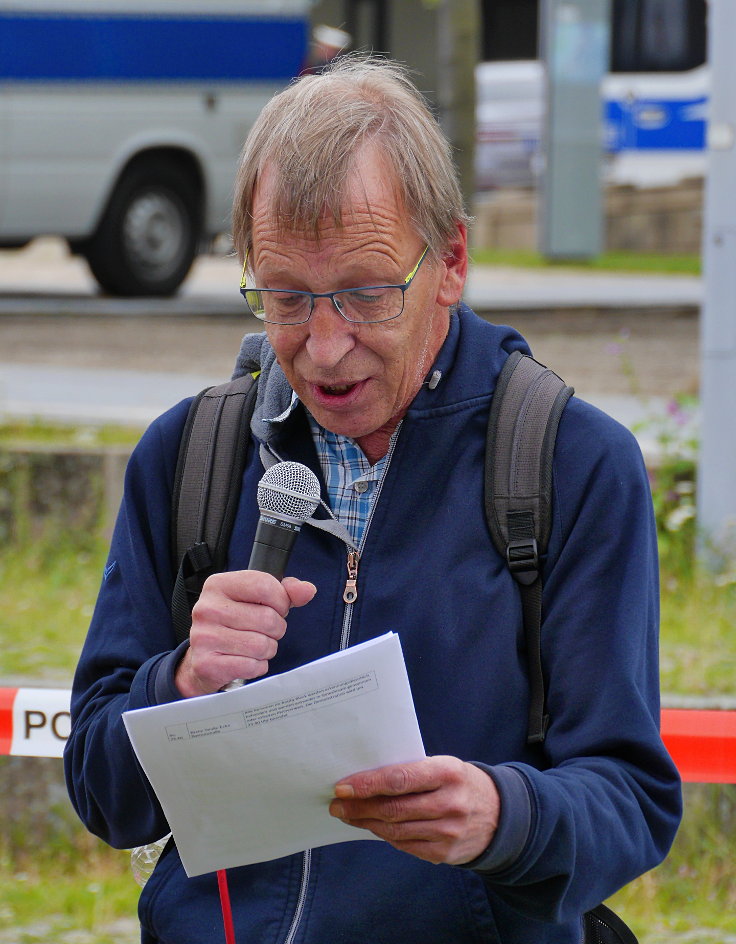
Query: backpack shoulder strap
212,457
522,426
603,926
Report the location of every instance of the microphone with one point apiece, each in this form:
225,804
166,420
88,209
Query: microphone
288,494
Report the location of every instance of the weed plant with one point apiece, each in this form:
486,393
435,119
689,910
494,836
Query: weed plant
698,645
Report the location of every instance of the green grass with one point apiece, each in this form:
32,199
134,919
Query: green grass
47,592
697,639
693,889
47,589
37,432
633,262
78,885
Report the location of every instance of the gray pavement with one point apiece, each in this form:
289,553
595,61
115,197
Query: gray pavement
134,398
43,279
92,395
505,288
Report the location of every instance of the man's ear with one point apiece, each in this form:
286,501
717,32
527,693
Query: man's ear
455,260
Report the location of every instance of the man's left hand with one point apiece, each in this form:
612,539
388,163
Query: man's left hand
440,809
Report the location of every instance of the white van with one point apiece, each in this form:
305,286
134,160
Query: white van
121,122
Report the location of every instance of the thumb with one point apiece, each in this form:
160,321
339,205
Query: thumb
300,592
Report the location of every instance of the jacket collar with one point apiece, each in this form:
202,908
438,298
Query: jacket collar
463,346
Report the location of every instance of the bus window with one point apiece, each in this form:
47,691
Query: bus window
510,30
658,35
647,35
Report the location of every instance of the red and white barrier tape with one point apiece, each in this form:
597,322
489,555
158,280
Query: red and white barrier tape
702,743
35,722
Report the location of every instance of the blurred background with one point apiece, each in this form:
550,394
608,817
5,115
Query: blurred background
594,140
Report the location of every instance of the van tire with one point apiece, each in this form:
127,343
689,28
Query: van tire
149,233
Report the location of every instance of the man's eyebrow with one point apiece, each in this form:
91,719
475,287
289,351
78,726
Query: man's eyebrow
356,278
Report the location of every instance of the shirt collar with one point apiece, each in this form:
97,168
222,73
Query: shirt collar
282,417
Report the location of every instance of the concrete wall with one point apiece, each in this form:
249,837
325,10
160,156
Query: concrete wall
660,220
60,488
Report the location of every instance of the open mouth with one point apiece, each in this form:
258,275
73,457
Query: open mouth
337,390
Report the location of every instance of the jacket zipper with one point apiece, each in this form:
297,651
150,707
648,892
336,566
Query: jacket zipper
296,920
350,595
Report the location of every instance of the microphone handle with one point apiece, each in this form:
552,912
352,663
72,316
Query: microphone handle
272,545
271,549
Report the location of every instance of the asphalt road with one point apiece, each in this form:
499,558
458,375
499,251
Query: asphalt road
65,350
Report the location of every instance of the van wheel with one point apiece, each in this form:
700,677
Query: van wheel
149,234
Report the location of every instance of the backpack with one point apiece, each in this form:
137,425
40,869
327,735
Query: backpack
522,427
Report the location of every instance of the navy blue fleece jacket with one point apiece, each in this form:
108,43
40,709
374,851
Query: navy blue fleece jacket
582,815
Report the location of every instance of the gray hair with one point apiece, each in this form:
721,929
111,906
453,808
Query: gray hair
312,132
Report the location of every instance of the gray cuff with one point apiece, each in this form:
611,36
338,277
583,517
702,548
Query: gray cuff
514,822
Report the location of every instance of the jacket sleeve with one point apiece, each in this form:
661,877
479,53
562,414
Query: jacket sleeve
130,637
604,802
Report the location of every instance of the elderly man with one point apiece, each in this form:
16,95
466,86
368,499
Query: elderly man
350,224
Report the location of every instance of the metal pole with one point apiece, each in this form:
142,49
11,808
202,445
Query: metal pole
575,50
716,501
458,50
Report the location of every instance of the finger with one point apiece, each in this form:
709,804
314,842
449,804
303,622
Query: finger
415,831
249,586
420,807
399,779
420,839
219,654
300,592
245,644
207,672
213,615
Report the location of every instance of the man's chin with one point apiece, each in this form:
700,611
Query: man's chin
340,425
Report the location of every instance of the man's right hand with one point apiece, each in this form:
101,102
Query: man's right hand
236,627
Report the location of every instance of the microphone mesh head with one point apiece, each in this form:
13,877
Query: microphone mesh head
289,490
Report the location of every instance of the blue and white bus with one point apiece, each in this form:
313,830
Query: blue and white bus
121,122
654,99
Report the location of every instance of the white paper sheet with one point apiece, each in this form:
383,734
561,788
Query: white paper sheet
247,776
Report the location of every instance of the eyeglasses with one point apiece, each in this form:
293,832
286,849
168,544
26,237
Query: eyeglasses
367,304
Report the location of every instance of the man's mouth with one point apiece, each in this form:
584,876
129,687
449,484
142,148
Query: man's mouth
342,395
336,390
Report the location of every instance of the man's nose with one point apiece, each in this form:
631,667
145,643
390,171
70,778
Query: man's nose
330,337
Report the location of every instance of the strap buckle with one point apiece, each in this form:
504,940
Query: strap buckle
522,557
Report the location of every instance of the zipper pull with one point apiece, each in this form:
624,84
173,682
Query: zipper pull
350,594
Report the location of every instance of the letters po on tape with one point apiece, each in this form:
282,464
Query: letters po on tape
34,722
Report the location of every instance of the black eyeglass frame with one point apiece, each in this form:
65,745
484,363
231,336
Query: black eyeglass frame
331,295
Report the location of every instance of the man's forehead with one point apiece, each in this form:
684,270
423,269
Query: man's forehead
358,226
369,200
363,232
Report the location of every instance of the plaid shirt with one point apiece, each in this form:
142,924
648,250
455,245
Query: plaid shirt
352,482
